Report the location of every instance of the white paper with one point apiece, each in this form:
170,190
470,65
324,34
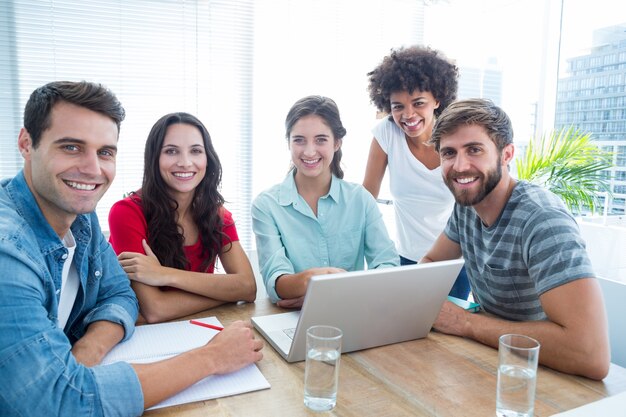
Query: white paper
155,342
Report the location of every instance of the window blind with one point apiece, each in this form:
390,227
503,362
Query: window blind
157,56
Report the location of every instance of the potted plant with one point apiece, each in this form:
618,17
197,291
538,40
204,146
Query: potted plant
569,164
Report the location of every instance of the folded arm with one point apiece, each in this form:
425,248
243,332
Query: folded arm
158,305
237,284
200,291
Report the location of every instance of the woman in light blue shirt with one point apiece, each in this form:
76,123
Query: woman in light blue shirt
314,222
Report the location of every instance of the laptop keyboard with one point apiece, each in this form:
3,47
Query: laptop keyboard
290,332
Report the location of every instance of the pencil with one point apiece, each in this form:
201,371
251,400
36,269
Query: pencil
210,326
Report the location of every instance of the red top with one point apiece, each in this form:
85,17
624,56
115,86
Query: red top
128,227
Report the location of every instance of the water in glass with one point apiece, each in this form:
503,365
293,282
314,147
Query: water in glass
321,378
516,391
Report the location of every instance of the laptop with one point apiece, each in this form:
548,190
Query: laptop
373,308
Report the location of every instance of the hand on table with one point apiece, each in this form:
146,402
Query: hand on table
452,319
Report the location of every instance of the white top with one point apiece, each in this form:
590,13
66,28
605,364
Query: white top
421,200
69,281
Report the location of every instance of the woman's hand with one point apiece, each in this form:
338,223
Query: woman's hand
143,268
291,302
299,282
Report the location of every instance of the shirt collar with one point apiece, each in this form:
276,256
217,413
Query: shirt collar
29,210
289,192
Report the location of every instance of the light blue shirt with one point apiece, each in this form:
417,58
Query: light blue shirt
40,376
348,230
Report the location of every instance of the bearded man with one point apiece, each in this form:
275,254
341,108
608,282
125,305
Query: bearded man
525,259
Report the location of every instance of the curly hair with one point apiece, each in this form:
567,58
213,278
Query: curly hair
414,68
164,235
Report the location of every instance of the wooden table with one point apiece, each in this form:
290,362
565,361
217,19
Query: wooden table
439,375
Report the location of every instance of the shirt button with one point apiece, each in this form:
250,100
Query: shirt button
57,292
97,273
64,256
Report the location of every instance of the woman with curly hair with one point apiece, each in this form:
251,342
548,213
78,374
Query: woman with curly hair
169,234
413,86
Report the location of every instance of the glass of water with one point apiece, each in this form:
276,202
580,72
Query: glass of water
321,373
518,356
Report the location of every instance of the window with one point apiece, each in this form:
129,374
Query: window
237,65
305,47
620,175
240,64
158,57
619,189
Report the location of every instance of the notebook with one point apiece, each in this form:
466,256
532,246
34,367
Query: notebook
154,342
373,308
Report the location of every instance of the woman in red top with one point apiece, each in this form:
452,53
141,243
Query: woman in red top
170,233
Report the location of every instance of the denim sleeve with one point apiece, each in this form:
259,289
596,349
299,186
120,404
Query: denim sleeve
380,251
273,261
116,301
40,376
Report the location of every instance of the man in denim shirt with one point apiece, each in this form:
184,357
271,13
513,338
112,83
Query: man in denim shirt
64,299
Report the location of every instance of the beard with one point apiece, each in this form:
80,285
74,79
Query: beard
489,181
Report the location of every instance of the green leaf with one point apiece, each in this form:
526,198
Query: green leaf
570,165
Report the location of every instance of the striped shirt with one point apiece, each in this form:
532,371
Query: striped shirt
534,246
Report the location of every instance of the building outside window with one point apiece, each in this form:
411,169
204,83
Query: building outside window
590,92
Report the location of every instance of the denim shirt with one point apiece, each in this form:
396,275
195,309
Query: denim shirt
39,375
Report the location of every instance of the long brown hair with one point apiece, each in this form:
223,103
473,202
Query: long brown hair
164,235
